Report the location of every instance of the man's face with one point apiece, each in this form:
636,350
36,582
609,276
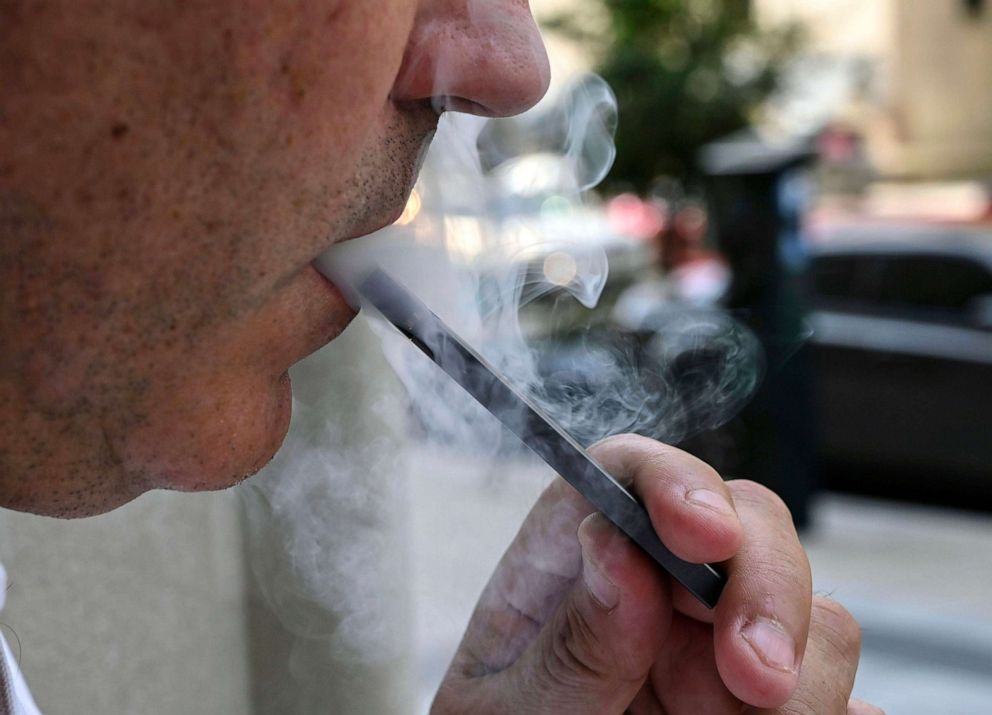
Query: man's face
169,172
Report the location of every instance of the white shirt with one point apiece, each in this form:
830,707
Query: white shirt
13,690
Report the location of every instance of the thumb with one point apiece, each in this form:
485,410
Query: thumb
596,651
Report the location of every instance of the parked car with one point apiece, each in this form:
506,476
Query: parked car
902,349
900,346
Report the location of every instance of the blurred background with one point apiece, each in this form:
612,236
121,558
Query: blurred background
815,172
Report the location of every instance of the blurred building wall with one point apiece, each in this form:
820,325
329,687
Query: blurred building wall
138,611
941,103
841,27
919,88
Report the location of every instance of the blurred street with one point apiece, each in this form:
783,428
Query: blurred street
915,577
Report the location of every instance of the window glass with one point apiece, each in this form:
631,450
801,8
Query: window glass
934,286
852,279
945,283
832,276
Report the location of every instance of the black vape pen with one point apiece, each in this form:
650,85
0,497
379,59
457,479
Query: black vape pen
533,427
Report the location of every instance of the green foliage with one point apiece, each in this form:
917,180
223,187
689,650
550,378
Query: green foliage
685,72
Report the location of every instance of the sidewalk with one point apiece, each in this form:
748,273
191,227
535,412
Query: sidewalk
918,579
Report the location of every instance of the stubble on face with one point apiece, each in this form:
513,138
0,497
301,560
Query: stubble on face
168,215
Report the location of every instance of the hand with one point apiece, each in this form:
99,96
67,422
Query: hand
577,619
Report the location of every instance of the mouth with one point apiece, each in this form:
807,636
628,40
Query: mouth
334,293
332,302
329,311
331,288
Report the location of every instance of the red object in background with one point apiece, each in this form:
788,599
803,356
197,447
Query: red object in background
635,217
684,241
837,145
698,273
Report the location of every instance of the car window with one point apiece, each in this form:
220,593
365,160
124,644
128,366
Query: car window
926,287
933,283
846,279
832,276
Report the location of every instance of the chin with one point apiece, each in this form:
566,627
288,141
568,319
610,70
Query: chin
385,214
370,226
229,446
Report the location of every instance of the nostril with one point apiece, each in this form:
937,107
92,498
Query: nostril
449,103
440,104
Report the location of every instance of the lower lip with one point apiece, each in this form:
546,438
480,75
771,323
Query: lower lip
332,312
338,296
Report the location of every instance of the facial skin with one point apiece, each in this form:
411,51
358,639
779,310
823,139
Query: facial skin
169,171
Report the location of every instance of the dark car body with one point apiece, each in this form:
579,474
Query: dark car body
902,352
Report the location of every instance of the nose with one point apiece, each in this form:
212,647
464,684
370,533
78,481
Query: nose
484,57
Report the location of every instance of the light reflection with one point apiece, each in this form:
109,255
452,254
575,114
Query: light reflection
411,209
518,235
463,235
554,205
532,175
560,268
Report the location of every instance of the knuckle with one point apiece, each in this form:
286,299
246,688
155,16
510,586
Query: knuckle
760,496
638,453
627,445
651,464
839,628
576,655
672,465
666,473
572,654
783,570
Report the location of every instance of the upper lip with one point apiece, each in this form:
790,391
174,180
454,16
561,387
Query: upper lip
425,113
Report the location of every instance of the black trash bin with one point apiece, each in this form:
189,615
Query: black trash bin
757,194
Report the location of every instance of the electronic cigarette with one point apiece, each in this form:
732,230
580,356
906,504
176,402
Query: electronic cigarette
533,427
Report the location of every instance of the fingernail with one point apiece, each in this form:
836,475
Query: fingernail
771,644
603,590
709,500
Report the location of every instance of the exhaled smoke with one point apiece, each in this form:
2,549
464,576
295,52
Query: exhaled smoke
692,373
500,218
499,222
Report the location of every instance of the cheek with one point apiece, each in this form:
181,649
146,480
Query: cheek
336,86
306,96
330,72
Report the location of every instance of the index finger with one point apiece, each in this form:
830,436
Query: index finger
690,507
